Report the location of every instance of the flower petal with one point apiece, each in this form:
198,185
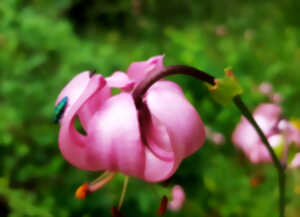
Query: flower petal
120,80
179,117
178,198
246,137
267,116
74,89
139,70
87,110
71,143
175,120
114,139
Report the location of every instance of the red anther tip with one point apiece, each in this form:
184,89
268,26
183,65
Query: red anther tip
163,205
115,212
82,191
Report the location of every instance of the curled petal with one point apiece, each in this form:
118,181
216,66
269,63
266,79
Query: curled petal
87,110
120,80
71,143
139,70
177,130
178,116
74,89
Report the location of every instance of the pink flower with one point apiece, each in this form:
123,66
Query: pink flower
178,198
279,133
266,88
148,143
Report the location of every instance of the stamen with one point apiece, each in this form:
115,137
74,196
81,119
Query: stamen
100,177
123,192
163,205
82,191
99,184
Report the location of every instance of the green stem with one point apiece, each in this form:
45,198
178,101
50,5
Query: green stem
280,168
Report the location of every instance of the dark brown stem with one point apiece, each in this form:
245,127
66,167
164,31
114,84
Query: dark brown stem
142,87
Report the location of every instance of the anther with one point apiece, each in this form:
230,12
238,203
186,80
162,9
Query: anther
163,206
82,191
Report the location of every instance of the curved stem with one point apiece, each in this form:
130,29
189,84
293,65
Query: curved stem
280,168
142,87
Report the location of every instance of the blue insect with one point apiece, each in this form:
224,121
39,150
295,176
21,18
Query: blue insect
59,109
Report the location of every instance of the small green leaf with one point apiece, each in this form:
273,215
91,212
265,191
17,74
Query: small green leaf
226,88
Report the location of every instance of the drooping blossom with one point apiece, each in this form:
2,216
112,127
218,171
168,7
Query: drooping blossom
148,143
279,132
178,198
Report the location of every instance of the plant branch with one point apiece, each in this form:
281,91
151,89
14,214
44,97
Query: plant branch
280,168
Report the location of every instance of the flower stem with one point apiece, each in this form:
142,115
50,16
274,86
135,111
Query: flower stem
280,168
143,86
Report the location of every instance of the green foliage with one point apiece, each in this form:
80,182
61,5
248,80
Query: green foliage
43,44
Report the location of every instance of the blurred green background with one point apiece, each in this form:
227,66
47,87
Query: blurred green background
43,44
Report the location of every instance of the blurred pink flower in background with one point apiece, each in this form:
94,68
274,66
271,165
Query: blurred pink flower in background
279,133
276,98
218,138
148,143
215,137
266,88
178,198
